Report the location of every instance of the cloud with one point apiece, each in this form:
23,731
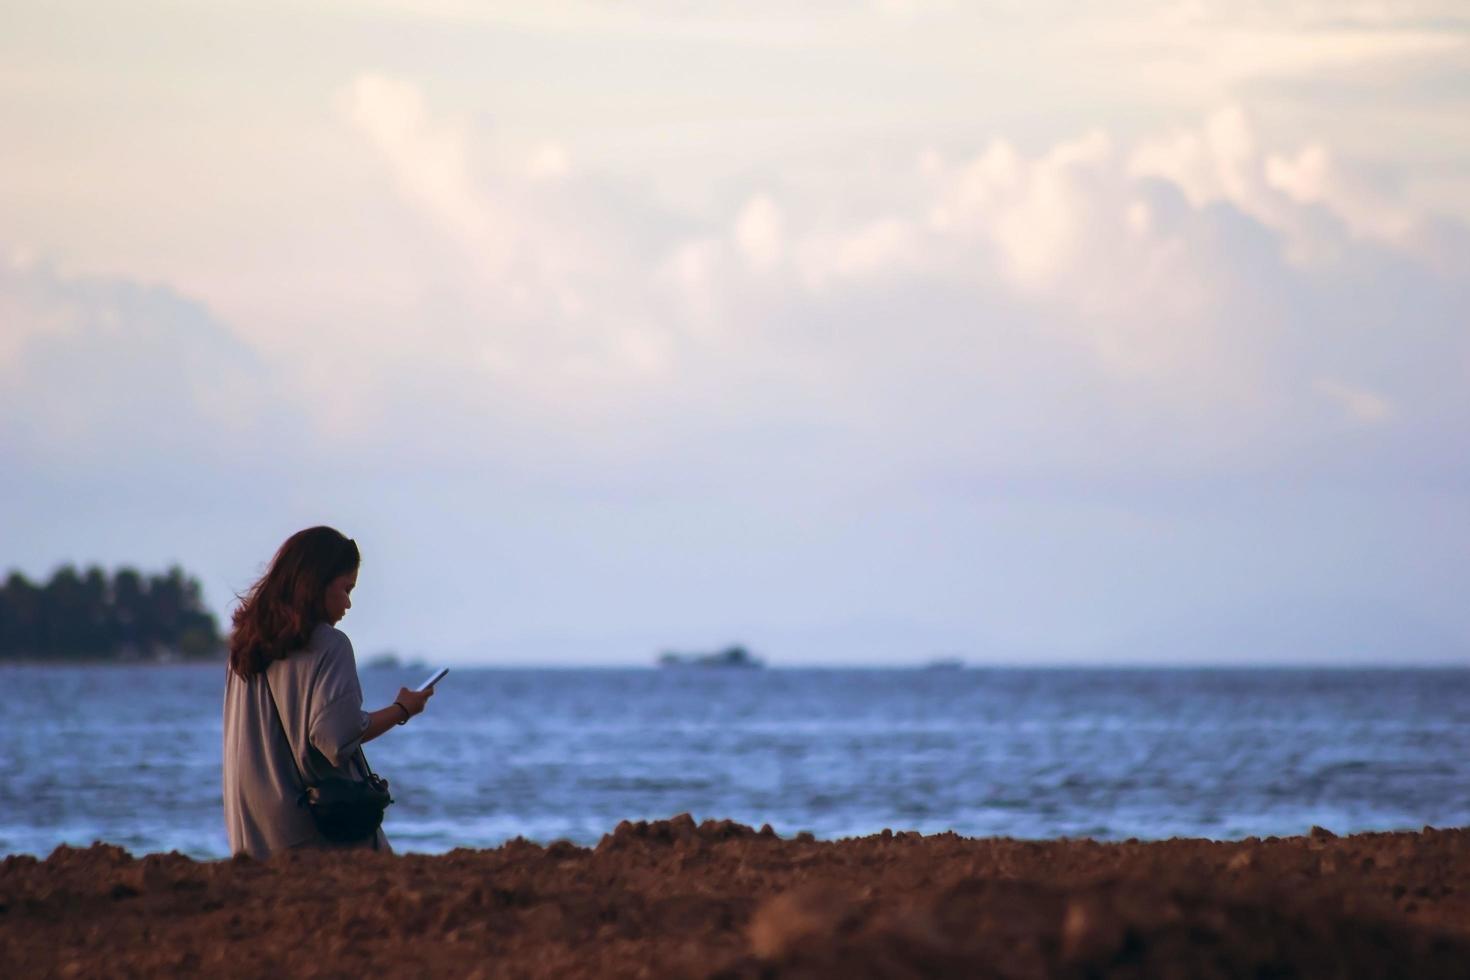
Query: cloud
1184,302
430,161
881,248
1212,50
1288,191
96,370
1313,177
1032,210
1179,304
759,232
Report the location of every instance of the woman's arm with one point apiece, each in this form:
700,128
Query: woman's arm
408,704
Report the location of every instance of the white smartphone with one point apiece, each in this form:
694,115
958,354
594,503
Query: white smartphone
438,676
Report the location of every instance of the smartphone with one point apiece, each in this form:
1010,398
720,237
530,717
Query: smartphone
438,676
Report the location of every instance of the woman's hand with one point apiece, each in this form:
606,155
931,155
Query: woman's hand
413,701
383,719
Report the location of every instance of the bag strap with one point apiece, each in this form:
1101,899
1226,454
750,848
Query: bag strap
265,676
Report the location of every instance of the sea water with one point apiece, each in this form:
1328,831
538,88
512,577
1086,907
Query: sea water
131,755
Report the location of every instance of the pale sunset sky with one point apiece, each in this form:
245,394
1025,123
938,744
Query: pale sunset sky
1025,332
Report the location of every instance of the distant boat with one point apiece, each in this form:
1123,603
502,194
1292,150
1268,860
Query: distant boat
737,657
945,663
388,660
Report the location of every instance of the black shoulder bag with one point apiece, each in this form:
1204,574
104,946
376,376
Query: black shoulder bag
345,810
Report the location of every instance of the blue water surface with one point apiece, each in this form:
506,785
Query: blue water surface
131,755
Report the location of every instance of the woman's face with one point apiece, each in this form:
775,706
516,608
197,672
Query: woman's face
339,596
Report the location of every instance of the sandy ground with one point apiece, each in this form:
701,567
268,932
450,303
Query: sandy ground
672,899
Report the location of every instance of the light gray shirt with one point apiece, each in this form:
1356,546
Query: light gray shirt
320,703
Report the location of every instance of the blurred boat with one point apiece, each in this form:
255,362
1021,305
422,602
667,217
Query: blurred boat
736,657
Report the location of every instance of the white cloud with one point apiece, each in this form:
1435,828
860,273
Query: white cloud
1313,177
1222,161
760,232
1203,52
1214,162
1034,211
1207,280
430,160
887,247
1154,279
691,272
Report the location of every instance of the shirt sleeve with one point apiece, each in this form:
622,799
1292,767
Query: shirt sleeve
337,721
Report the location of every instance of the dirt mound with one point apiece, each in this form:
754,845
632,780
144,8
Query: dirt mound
718,899
677,830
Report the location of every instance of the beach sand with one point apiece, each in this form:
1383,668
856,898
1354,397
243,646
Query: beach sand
672,899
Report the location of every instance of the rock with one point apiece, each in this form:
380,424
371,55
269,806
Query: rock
814,911
562,850
718,830
681,827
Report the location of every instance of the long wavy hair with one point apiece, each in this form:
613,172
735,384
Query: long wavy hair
277,614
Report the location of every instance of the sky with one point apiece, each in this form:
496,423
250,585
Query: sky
858,333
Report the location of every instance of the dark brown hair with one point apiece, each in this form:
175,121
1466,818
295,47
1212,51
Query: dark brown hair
278,613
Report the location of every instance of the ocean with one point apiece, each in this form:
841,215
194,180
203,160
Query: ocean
131,755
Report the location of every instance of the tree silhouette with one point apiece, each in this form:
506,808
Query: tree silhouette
89,615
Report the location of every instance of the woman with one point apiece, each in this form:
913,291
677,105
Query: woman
291,671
